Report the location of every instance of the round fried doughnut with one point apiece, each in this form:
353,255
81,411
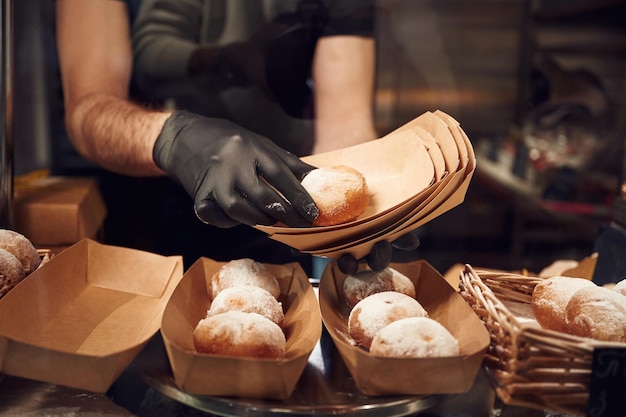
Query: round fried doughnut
249,299
598,313
11,271
378,310
21,248
236,333
550,297
339,192
367,282
414,337
402,283
620,287
244,271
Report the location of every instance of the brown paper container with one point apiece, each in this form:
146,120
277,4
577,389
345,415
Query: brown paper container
58,211
219,375
81,318
446,192
453,126
396,169
434,125
427,376
447,198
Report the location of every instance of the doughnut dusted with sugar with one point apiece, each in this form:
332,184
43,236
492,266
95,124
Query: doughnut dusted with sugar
414,337
378,310
11,271
244,271
550,297
339,192
367,282
620,287
249,299
598,313
240,334
22,248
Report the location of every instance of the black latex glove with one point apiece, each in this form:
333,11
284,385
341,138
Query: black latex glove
381,255
233,175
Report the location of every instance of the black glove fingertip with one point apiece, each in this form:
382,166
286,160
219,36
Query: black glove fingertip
407,242
380,255
348,264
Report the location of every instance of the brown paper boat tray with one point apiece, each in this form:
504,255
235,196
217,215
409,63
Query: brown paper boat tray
528,365
423,376
232,376
84,315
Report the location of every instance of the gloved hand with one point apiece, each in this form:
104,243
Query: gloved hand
233,175
382,254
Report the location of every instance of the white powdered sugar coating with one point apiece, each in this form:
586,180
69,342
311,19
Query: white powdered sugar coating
339,192
358,286
239,334
11,271
364,283
402,283
21,248
414,337
550,298
249,299
244,271
597,312
329,187
620,287
378,310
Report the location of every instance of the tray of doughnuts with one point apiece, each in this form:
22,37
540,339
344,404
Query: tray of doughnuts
382,189
544,331
405,320
241,328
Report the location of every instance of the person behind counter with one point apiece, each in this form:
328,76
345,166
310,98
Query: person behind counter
216,161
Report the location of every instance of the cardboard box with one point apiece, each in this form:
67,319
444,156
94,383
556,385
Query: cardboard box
58,211
219,375
409,376
81,318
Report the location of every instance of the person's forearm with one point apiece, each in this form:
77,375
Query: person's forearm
115,134
343,71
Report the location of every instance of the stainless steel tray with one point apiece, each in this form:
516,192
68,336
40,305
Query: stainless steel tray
325,389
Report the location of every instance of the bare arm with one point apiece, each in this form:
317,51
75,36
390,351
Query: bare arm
343,70
95,58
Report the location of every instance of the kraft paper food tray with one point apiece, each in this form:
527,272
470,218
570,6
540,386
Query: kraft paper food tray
442,202
353,243
389,376
81,318
396,169
219,375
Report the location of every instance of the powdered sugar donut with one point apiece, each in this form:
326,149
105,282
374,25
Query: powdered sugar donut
620,287
236,333
22,248
367,282
11,271
244,271
339,192
598,313
414,337
378,310
550,297
249,299
402,283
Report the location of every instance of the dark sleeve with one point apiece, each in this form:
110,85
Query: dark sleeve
350,17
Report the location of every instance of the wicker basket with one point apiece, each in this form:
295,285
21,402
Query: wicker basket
528,365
